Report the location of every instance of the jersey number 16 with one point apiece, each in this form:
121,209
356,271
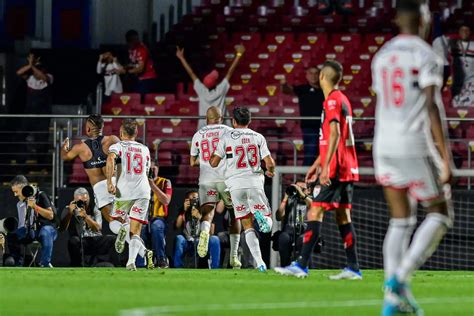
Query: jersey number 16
393,91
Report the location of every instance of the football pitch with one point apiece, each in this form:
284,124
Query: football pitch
100,291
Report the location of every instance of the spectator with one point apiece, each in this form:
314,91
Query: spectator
141,64
462,52
310,100
156,227
111,69
84,224
36,219
292,214
189,221
209,91
38,94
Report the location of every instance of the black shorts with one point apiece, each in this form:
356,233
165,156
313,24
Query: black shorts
336,195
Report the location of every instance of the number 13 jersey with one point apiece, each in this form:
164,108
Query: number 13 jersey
203,145
132,180
401,69
242,150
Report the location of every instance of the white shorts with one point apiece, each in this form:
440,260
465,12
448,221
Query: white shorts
248,201
134,209
418,175
212,193
102,195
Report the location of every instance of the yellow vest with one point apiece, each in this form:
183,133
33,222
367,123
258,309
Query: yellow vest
160,210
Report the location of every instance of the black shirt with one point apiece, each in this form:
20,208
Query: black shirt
43,201
288,222
311,101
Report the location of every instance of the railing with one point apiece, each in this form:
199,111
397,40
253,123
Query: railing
66,129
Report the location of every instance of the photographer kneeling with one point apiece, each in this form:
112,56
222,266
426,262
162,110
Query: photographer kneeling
84,225
292,214
36,217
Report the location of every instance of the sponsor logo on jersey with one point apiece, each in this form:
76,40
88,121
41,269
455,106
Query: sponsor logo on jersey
119,212
240,208
211,193
136,209
259,207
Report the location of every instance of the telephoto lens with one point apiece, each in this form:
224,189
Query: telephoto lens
291,191
80,204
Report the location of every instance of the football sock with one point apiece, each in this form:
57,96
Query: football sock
115,226
205,226
310,238
425,242
349,239
234,244
254,246
396,243
134,248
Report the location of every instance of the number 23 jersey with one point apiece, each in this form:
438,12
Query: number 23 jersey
132,180
203,145
401,69
242,150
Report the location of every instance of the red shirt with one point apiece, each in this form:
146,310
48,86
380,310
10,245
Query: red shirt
344,164
140,54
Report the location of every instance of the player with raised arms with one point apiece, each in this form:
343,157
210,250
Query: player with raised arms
132,193
411,154
242,151
212,188
337,169
93,154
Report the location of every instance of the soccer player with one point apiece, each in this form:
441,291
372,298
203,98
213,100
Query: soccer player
212,188
93,154
337,169
132,193
411,155
242,150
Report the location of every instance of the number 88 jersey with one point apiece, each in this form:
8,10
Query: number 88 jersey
401,69
132,180
203,145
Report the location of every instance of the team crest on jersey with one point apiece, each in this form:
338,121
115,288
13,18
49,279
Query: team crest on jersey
259,207
332,104
211,193
240,208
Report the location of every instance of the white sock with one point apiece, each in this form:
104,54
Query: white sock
425,242
205,226
115,226
234,244
135,246
254,246
396,243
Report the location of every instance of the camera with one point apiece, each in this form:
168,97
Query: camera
8,225
29,191
151,174
194,203
291,191
80,204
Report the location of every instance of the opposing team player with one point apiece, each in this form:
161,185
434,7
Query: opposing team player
242,150
212,188
407,77
132,193
337,169
93,154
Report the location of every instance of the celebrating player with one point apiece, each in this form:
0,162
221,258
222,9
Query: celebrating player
212,188
242,150
337,169
407,77
93,154
132,193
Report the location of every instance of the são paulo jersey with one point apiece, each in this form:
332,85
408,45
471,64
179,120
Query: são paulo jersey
343,165
203,145
401,69
242,150
132,179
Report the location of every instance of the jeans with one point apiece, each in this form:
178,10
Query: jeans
184,246
47,235
158,242
311,145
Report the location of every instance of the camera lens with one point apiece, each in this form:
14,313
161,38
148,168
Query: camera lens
28,191
80,204
291,190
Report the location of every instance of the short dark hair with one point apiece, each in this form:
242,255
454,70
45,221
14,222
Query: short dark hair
242,116
337,67
96,120
130,127
19,180
408,6
130,34
189,192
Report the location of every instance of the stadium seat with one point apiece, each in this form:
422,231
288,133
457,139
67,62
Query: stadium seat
160,99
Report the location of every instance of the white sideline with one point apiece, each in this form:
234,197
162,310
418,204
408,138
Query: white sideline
173,309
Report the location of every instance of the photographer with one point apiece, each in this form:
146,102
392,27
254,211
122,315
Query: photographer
189,220
84,225
292,214
36,216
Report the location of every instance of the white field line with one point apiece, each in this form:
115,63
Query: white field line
173,309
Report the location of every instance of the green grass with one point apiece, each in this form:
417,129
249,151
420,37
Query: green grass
218,292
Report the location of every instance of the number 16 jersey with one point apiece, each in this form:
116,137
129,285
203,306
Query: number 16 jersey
401,69
203,145
132,180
